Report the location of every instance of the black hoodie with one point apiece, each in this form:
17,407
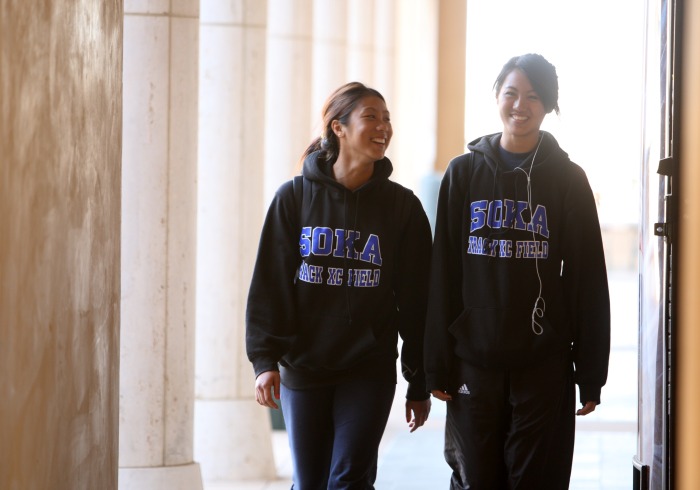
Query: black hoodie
499,246
323,313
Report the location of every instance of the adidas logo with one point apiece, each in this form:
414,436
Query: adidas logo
464,390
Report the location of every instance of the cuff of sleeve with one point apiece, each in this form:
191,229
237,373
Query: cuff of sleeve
589,393
416,393
435,382
263,365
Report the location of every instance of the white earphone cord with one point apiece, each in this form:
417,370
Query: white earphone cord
537,310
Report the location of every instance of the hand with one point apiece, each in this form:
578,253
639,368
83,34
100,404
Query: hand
442,395
587,408
420,410
265,383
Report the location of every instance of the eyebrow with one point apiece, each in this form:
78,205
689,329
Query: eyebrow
374,109
512,87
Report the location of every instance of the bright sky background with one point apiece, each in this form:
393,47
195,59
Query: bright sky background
597,49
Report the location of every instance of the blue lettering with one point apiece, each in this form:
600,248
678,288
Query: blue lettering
310,273
519,221
363,278
506,249
495,214
345,243
539,222
532,249
305,241
372,252
335,276
304,272
471,247
508,214
478,215
492,248
322,241
325,241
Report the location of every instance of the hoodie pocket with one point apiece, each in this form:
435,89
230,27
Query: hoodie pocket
330,343
501,337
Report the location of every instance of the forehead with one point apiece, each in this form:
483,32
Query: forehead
371,103
517,79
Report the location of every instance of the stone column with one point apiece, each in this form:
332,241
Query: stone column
385,48
60,216
451,74
413,108
384,57
233,439
158,251
329,53
360,63
287,90
450,113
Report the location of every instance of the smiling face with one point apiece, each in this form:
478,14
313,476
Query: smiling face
522,112
368,131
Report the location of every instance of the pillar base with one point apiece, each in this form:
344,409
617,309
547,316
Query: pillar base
233,440
184,477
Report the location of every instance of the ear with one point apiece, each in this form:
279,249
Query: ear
337,128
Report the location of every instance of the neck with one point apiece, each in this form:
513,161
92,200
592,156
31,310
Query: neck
352,174
523,144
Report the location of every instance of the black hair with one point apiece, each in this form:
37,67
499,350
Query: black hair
338,106
542,76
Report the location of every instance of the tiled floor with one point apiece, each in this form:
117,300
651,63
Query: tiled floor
605,439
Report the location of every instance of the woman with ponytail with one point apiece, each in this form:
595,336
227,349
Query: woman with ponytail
342,271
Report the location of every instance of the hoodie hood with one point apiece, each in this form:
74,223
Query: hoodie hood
317,169
548,151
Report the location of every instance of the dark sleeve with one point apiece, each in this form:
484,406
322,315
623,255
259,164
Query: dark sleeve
411,290
444,298
585,280
271,310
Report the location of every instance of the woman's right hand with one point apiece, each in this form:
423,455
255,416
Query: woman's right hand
267,388
441,395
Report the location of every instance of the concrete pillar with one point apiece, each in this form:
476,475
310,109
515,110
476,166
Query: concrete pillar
287,90
450,108
385,58
451,75
413,108
233,439
329,54
158,253
360,58
60,213
385,49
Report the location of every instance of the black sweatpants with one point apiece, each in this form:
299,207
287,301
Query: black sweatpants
334,432
511,429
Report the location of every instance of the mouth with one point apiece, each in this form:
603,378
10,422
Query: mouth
519,118
381,141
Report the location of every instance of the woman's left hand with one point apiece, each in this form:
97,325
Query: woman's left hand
417,413
587,408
